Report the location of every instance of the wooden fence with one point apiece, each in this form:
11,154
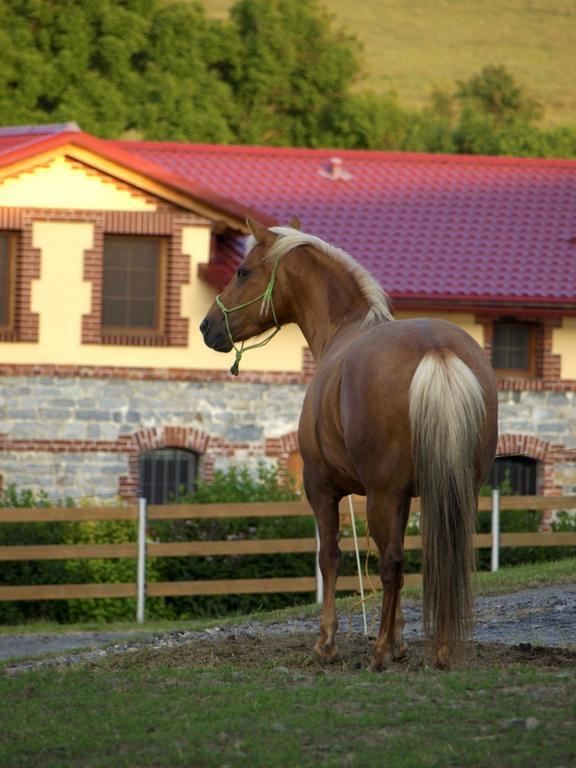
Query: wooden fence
142,548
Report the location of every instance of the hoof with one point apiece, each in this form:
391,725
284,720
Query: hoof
400,652
381,661
327,653
442,659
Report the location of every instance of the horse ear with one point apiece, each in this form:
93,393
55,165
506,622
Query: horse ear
260,232
295,222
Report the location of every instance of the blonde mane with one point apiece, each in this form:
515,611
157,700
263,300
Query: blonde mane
377,298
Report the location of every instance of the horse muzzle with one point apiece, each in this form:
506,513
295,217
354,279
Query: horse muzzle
215,336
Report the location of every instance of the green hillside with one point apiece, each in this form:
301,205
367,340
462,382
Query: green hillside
413,45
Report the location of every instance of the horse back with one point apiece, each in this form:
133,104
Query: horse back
356,414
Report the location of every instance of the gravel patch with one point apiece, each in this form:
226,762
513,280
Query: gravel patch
544,617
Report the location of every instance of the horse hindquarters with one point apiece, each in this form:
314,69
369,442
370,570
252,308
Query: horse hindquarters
447,415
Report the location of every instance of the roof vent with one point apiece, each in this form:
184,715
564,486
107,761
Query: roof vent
334,170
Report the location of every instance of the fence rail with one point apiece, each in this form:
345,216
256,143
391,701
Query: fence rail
142,549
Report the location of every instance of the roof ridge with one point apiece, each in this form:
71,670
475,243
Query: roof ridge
326,153
35,130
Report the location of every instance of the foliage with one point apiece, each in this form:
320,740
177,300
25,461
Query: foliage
106,571
31,572
92,571
274,72
235,485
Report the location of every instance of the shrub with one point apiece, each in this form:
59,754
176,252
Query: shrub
31,572
236,485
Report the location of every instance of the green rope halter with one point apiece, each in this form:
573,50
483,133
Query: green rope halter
267,304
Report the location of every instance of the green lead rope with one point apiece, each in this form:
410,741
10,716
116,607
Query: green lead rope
267,303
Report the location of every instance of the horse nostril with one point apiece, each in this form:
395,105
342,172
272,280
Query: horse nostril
204,325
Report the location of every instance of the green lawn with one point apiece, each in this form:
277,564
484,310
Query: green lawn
232,716
268,702
413,45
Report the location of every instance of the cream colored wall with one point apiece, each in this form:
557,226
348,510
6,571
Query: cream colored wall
564,344
462,319
61,184
61,297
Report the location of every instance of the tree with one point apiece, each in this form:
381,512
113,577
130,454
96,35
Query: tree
291,71
494,92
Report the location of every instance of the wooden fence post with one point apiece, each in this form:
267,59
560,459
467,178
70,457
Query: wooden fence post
141,575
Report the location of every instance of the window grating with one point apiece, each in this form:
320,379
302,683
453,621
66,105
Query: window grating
131,283
167,474
512,347
519,472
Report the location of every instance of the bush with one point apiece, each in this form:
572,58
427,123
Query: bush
92,571
31,572
236,485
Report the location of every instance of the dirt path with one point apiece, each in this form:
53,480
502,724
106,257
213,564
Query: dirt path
538,617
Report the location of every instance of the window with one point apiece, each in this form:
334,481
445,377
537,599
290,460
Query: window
514,349
6,279
167,473
516,472
132,284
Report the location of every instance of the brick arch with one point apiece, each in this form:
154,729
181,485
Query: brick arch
522,445
544,452
280,448
154,438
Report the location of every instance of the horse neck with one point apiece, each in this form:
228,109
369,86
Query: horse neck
323,298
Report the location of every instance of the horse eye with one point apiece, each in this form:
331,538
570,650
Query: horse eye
241,272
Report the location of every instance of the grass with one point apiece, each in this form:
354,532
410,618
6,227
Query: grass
275,717
268,703
410,46
506,580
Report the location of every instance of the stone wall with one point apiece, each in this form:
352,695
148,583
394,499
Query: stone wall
76,435
81,437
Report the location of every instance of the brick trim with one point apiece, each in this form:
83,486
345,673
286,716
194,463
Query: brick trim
165,224
27,269
280,449
169,222
548,454
308,364
208,446
152,374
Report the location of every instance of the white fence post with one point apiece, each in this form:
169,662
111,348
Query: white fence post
495,529
358,564
319,579
141,578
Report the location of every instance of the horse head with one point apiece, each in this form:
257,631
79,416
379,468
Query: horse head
251,303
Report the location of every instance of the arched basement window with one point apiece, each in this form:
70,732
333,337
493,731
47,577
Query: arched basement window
518,472
167,473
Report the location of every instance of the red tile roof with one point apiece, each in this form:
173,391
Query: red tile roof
431,228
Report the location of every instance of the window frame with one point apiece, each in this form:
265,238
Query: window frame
158,330
9,325
524,373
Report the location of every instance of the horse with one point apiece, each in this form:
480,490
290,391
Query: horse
395,409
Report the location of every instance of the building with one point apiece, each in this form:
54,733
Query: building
111,252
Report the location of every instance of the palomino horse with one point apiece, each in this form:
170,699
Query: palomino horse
396,408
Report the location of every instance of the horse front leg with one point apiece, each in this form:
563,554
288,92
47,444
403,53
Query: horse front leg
324,501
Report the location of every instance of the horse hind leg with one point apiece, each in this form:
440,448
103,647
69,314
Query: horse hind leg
387,517
324,502
400,644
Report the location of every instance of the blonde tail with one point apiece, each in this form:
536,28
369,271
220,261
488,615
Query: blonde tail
447,412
